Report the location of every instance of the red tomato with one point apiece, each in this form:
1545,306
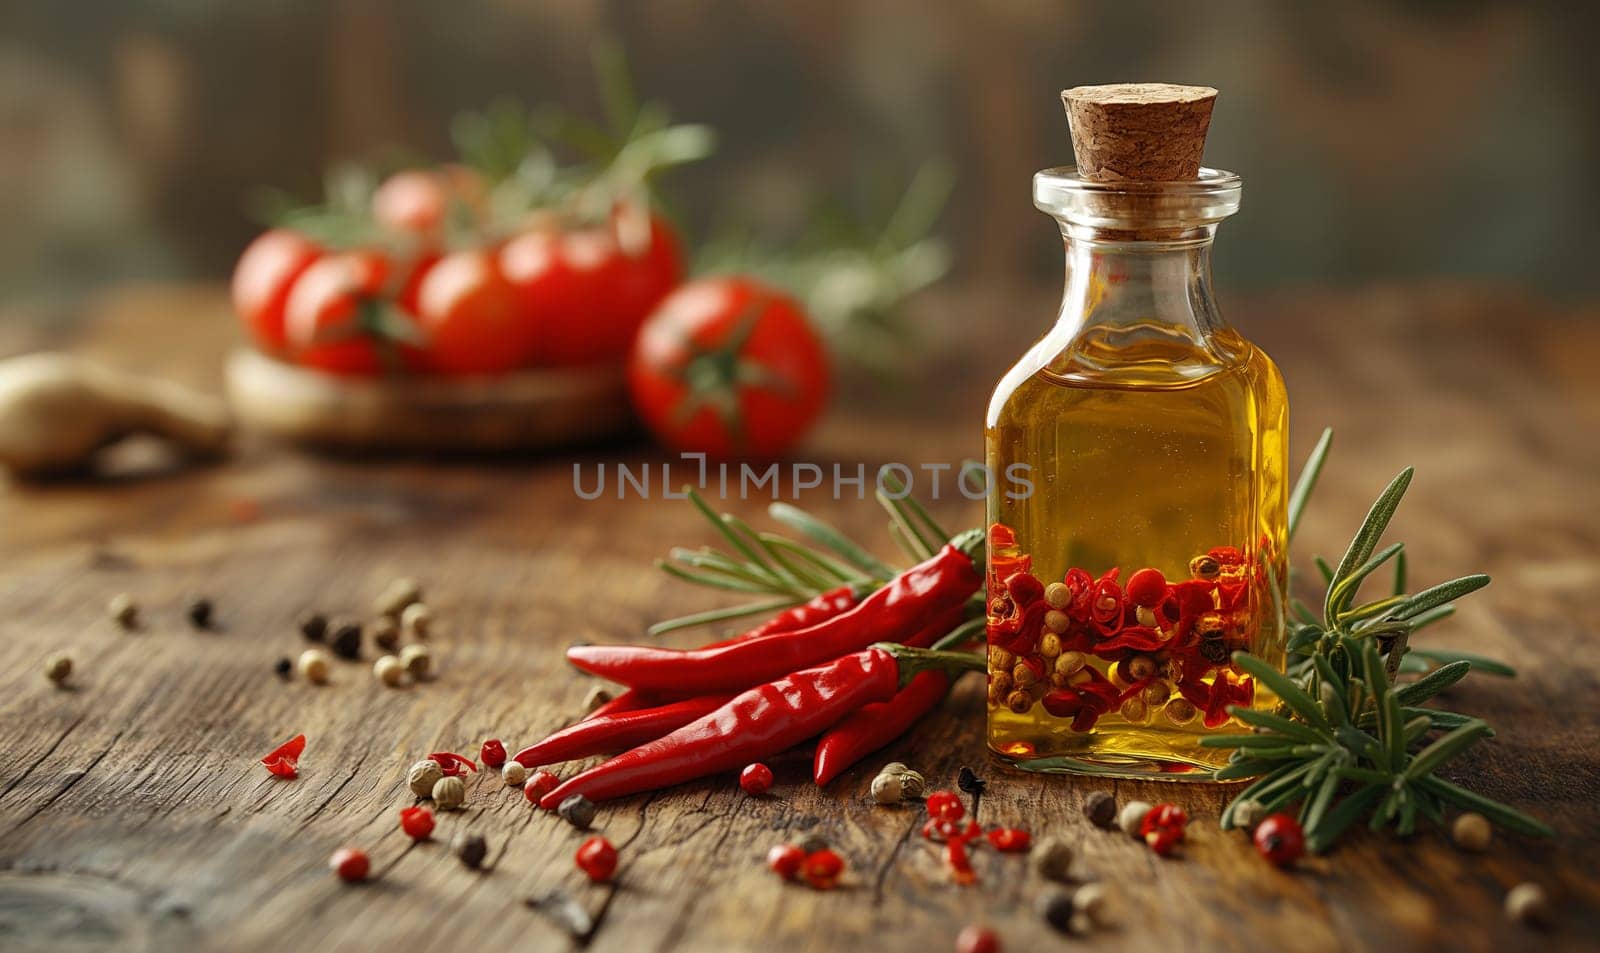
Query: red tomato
420,201
262,279
471,317
325,318
728,366
587,293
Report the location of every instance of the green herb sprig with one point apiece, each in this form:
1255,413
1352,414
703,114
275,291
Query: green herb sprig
1356,743
785,570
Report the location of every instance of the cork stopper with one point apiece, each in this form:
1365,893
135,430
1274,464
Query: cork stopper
1148,132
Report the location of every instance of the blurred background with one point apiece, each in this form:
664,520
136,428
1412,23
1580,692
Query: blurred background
1378,141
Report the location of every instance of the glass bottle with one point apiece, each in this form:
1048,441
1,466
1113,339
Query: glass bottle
1138,525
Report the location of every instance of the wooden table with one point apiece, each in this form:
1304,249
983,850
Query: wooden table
133,814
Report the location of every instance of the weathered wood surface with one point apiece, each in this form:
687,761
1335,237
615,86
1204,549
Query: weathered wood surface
133,814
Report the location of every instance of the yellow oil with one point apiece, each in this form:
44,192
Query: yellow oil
1147,446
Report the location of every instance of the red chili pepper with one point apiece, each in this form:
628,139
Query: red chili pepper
819,608
617,732
629,700
451,764
284,760
758,723
877,724
894,613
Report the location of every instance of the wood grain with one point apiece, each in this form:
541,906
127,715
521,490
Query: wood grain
133,814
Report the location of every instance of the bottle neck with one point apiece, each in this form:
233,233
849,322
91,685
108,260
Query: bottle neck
1137,301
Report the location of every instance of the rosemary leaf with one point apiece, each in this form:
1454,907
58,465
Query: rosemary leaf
721,615
1335,822
1444,592
802,522
1434,682
1343,592
1276,723
1293,695
1430,758
1366,538
1479,663
714,582
1502,814
1308,480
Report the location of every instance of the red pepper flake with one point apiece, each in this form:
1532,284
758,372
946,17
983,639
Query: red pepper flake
1162,827
452,764
1147,588
960,861
493,754
284,760
1011,840
597,858
945,806
350,865
822,869
976,939
417,822
785,860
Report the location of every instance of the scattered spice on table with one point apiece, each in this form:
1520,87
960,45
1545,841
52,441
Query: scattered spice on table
201,613
423,776
58,668
785,860
1091,901
471,849
492,753
1055,908
417,660
350,865
388,671
314,666
417,621
1010,840
822,869
284,760
283,667
453,764
1100,807
346,641
449,792
314,627
1131,818
1471,831
417,822
124,611
396,596
1052,859
977,939
386,634
1279,839
756,779
1162,827
597,859
1528,904
576,810
561,907
513,774
539,784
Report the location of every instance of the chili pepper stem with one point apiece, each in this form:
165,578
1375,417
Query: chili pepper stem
913,662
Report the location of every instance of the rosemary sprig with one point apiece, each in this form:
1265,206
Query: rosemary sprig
788,571
1353,742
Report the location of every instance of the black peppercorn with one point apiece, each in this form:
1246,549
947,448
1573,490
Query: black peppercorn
969,782
346,641
1056,909
283,667
200,613
472,849
1213,649
314,627
1101,809
577,811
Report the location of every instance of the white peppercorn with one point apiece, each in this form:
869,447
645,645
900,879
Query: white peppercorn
1090,900
1472,832
123,610
396,596
57,668
514,774
1051,858
1248,813
893,767
449,793
912,784
388,670
423,776
313,666
886,789
417,620
1528,904
1131,816
386,633
417,660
